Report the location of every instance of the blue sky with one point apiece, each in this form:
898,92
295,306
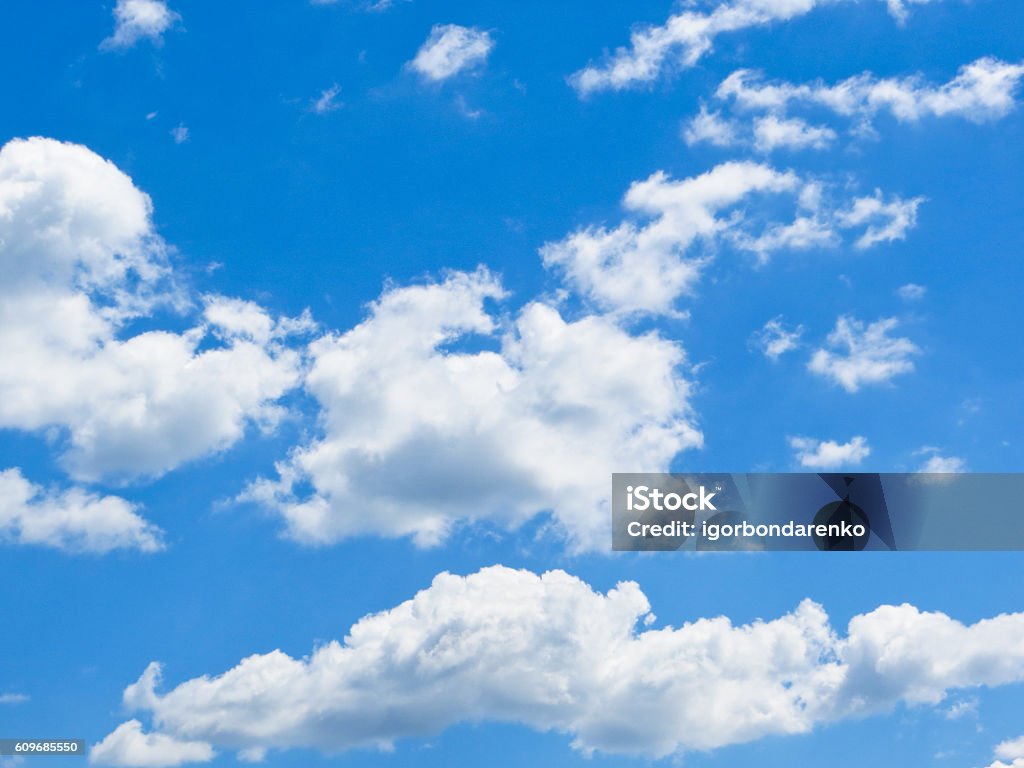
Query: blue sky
817,268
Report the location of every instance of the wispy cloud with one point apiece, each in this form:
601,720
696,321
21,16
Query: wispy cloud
774,339
829,454
180,133
656,255
911,292
859,355
451,49
327,101
688,36
982,90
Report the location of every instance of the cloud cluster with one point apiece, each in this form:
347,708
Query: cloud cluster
137,20
451,49
82,263
857,355
549,652
646,263
765,134
432,413
73,520
982,91
829,454
687,36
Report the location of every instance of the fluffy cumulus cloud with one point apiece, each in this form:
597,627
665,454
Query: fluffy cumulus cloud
432,413
73,520
1009,754
646,263
690,34
981,91
137,20
451,49
549,652
829,454
130,746
857,355
81,263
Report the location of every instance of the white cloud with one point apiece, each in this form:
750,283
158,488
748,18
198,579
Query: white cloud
885,221
859,355
327,101
179,133
982,90
686,37
765,134
372,6
772,132
1012,749
137,20
129,746
451,49
551,653
73,520
432,416
911,292
711,128
828,454
807,230
12,698
939,464
962,708
774,339
646,265
81,260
